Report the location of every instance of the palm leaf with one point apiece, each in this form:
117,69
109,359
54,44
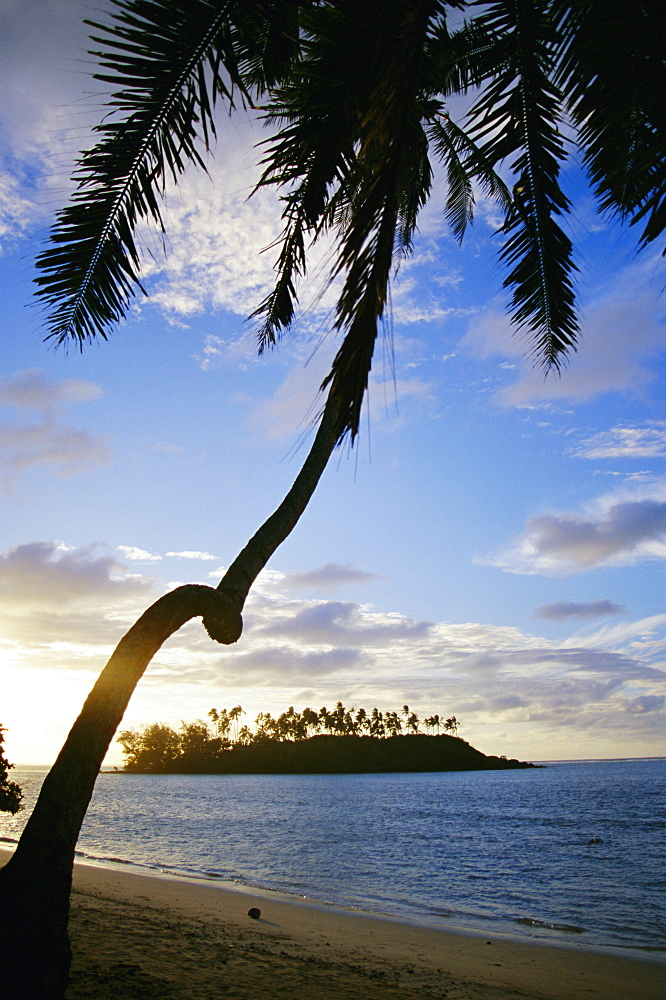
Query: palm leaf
517,117
169,60
465,163
613,72
353,155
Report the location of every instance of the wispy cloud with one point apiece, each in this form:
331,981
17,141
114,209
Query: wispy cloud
68,608
616,531
31,390
34,433
607,358
17,212
217,233
325,579
562,610
43,116
191,554
647,440
135,554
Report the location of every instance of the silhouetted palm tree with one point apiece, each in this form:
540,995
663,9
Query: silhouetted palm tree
362,719
377,727
357,93
392,723
451,725
310,720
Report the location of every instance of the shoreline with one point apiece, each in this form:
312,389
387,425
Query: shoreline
428,923
539,936
151,935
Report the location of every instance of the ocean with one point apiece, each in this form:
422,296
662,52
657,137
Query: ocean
572,853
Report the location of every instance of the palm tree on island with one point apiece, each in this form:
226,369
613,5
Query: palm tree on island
356,95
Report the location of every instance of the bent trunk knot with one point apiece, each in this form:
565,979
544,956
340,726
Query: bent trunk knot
222,620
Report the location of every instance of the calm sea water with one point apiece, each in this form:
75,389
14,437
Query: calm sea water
574,852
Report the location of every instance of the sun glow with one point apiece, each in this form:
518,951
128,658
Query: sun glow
54,700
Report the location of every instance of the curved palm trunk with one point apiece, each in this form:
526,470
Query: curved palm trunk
35,885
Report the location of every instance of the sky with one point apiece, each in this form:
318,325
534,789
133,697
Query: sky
493,548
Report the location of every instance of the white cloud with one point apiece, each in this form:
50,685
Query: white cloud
216,235
617,530
643,639
135,554
66,609
45,119
298,399
230,352
53,594
169,448
16,211
41,58
647,440
190,554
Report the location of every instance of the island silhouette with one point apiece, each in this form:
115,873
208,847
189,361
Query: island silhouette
353,742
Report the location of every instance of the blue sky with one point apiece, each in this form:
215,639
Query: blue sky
493,548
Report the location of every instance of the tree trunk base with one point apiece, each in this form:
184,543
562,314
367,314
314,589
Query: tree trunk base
35,953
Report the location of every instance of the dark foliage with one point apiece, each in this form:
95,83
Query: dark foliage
355,94
10,792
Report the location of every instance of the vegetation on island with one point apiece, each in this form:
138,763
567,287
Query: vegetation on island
358,97
305,742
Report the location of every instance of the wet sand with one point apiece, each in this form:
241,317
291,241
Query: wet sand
141,936
144,937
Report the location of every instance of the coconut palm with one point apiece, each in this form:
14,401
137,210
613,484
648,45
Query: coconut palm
377,725
393,723
310,721
356,94
451,725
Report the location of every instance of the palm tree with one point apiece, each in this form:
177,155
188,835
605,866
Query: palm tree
393,723
221,721
432,722
310,721
361,720
413,722
356,92
326,719
451,725
245,736
377,726
234,715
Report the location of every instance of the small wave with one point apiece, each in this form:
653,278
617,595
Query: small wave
104,860
9,840
550,925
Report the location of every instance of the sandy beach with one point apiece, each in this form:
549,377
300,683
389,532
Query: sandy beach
137,936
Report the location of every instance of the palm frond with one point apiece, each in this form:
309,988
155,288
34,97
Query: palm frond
169,59
517,117
465,163
613,71
389,183
317,112
352,155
